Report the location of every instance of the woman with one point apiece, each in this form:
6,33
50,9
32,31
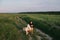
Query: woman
30,27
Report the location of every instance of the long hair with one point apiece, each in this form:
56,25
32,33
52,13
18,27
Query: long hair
31,24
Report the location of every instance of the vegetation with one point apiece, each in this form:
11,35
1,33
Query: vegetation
8,31
10,26
49,24
50,13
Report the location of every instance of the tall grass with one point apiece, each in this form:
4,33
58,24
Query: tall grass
8,30
48,26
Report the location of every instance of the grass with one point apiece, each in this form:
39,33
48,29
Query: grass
49,24
9,30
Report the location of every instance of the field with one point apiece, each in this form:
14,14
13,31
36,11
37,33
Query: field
11,27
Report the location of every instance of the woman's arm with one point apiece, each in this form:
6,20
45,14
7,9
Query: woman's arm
28,26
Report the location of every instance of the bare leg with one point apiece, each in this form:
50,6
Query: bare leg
26,32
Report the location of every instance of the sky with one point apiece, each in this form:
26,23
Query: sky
29,5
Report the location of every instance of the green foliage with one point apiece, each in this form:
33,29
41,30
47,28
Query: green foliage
45,25
9,30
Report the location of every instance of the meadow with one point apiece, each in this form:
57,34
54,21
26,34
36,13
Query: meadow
10,26
50,24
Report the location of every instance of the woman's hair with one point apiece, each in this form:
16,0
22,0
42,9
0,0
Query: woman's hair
31,24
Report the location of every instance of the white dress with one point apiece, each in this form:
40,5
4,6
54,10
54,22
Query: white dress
28,26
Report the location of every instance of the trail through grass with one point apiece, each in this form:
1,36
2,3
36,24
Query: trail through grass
34,36
11,27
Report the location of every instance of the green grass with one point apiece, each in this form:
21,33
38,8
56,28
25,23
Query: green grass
9,30
49,24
